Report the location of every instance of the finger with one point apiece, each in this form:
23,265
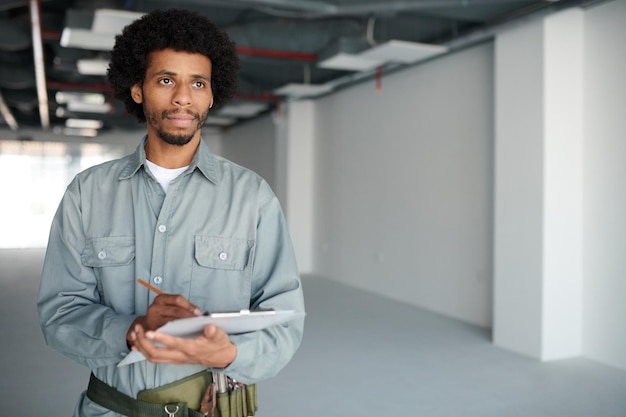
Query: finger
150,348
178,301
161,348
165,340
211,332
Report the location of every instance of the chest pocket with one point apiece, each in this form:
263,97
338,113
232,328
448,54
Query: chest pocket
222,253
108,251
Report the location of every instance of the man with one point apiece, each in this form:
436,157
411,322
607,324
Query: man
209,236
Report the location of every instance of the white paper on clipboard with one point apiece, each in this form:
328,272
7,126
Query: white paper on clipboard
232,323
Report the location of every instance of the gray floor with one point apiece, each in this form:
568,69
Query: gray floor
362,355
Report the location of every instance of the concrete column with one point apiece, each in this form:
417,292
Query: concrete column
295,175
538,188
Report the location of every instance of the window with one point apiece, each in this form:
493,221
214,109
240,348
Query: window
33,178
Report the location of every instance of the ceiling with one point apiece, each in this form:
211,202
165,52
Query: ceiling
45,45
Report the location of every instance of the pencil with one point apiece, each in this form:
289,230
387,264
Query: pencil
148,286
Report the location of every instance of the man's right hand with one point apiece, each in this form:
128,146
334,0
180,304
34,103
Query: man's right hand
164,308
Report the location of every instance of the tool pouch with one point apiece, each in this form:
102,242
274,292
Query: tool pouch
189,390
239,402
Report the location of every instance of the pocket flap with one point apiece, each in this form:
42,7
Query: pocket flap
222,253
108,251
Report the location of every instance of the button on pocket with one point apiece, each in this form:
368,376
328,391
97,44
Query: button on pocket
222,253
108,251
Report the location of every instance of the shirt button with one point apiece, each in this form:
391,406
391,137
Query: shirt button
157,280
162,228
223,256
102,254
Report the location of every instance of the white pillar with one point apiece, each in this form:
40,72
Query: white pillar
295,175
538,188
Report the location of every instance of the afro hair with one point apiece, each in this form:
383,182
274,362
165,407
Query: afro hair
180,30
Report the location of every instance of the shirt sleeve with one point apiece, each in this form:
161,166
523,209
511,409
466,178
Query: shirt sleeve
71,315
276,284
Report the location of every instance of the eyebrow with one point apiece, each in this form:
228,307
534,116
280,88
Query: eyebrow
172,73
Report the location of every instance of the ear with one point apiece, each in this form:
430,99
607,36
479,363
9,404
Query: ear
136,93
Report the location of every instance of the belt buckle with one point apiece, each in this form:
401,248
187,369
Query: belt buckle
170,413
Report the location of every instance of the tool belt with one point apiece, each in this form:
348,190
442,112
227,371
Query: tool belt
193,396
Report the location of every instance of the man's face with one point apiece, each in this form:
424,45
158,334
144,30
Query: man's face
176,95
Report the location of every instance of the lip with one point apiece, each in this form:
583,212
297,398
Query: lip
180,120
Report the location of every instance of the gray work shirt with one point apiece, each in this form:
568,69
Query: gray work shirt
218,237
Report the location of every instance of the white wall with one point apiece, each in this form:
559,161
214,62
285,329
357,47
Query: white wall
605,184
252,145
404,186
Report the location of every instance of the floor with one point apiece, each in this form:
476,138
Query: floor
363,355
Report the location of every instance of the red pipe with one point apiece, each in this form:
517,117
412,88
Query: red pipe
258,97
61,85
52,35
271,53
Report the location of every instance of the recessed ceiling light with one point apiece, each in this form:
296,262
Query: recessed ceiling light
402,51
81,107
303,90
84,123
112,21
64,97
344,55
349,62
101,37
97,66
86,39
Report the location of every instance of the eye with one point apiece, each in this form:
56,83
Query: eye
199,84
165,81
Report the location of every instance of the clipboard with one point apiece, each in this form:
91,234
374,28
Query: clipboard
235,322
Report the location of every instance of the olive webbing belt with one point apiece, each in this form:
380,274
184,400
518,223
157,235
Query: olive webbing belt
108,397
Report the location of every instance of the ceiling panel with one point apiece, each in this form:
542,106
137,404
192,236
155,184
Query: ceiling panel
280,43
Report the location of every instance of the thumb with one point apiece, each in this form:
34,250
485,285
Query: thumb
210,330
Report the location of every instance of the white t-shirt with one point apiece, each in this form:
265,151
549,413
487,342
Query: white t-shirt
165,175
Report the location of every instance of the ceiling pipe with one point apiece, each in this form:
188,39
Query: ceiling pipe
40,72
7,115
257,97
272,53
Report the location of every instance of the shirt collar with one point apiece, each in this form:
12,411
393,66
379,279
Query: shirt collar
204,160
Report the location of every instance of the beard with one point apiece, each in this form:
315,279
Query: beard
173,138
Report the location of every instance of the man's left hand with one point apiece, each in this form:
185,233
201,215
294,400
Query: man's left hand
212,349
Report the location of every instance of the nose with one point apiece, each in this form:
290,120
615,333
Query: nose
181,96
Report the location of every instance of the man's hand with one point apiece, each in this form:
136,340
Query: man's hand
164,308
211,349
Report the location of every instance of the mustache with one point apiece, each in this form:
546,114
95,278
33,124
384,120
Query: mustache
168,113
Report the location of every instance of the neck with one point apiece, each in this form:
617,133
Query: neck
170,156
